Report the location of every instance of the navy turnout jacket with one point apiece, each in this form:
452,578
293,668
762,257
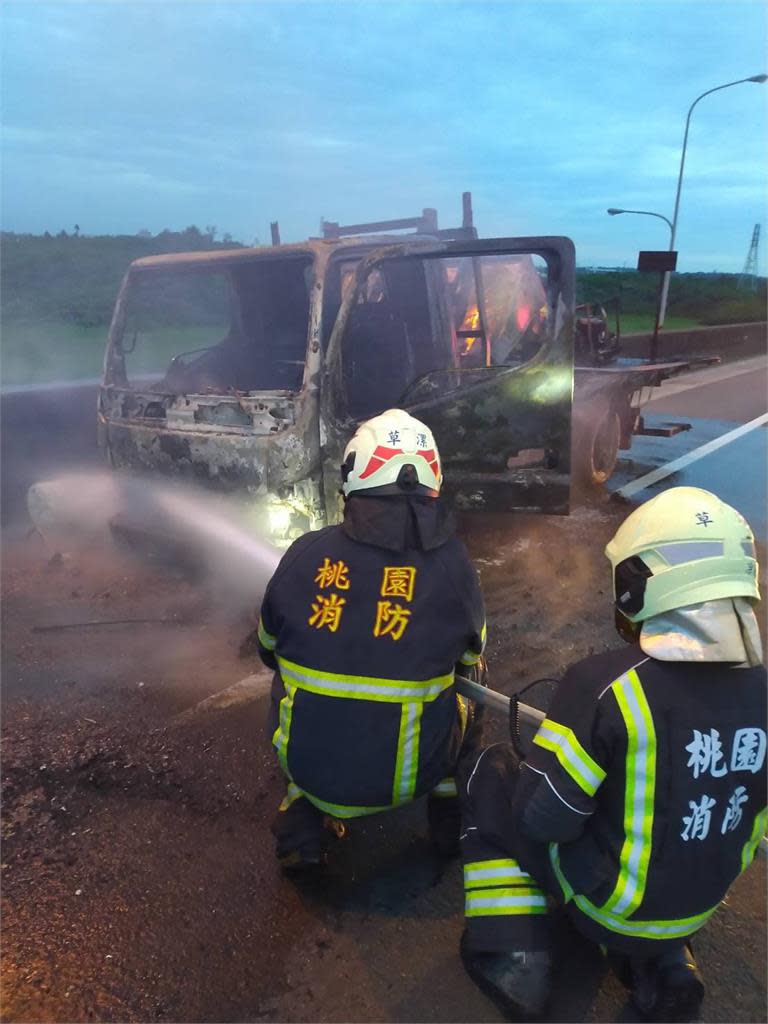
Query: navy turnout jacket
364,623
648,779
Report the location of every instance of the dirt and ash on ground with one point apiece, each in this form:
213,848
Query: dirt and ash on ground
138,877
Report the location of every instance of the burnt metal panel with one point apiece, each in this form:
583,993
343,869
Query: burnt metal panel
483,426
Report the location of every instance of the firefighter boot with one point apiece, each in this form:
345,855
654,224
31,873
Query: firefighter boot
298,829
518,982
668,987
444,820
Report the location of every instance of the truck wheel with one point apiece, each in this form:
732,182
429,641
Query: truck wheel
596,442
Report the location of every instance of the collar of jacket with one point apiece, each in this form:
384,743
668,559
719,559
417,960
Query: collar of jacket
398,523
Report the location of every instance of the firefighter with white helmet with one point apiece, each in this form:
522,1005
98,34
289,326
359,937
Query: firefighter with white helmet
364,624
644,795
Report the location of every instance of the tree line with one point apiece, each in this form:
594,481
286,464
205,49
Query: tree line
73,279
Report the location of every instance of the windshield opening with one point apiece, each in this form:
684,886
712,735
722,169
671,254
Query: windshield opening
217,329
420,326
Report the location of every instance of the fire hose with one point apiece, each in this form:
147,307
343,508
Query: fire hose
497,701
514,709
511,708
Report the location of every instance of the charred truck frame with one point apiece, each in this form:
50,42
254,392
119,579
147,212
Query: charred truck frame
247,370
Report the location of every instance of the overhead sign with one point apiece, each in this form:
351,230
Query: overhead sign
651,260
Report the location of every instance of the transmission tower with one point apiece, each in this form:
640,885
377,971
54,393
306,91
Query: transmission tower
748,278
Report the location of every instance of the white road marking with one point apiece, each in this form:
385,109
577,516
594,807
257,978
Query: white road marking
685,460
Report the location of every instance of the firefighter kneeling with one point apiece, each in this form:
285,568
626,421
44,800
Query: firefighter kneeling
644,796
364,623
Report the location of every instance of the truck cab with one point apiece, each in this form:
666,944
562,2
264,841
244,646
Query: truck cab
247,370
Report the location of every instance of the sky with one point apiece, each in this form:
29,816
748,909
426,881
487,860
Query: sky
129,115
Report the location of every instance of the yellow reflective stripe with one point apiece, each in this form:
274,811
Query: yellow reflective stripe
644,929
463,705
293,793
445,788
504,902
332,684
407,763
562,741
344,810
554,857
500,862
266,639
673,929
751,845
483,873
470,657
283,731
639,796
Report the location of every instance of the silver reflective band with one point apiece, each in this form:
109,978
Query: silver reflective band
484,874
690,551
639,795
364,687
506,901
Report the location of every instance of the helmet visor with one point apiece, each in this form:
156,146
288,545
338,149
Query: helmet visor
629,580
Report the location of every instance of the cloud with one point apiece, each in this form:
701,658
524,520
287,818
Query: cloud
235,113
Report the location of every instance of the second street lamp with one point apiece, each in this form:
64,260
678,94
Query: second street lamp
613,212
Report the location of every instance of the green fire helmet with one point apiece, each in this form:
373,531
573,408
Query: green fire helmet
683,547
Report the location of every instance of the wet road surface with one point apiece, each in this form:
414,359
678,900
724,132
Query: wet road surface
139,882
737,471
734,391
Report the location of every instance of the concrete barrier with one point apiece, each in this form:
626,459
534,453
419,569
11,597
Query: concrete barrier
730,342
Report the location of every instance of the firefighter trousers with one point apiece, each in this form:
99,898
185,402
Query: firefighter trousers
505,905
299,825
510,887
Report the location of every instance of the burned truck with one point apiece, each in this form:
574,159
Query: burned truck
247,370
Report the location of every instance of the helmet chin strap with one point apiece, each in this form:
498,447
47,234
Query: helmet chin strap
628,631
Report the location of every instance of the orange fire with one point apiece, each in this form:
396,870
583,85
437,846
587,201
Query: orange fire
470,323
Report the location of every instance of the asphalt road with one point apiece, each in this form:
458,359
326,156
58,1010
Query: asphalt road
736,392
138,877
714,401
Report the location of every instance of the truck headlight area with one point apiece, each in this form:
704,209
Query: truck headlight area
279,516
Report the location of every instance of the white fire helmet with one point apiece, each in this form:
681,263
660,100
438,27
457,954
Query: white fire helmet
392,454
683,547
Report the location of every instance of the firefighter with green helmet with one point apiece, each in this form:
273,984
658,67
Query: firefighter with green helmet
364,624
644,794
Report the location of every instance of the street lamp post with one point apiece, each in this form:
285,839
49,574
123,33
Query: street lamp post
613,211
646,213
673,226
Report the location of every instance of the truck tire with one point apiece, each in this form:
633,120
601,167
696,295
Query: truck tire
596,441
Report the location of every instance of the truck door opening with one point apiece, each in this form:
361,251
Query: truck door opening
421,327
474,338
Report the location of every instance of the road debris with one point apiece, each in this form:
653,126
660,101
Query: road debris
59,627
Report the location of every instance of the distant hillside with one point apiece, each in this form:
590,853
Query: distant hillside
72,280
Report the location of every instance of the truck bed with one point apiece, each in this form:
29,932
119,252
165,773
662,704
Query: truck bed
630,375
